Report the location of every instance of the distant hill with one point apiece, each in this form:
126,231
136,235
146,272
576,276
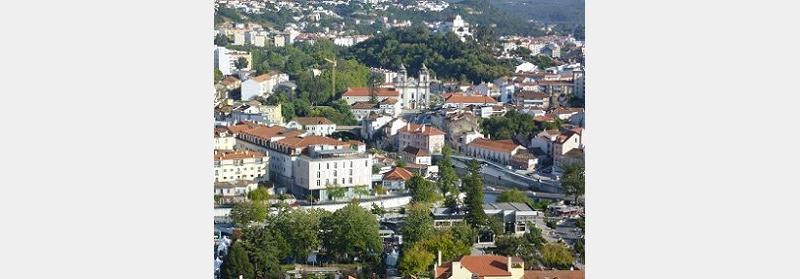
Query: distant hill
567,12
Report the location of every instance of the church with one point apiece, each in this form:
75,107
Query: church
414,92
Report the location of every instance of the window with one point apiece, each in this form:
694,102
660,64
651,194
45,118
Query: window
328,165
335,174
365,163
335,165
318,182
319,174
342,180
351,171
350,180
351,164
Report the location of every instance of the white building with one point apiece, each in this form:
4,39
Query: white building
239,165
462,101
312,166
456,25
526,67
225,59
262,85
319,126
414,92
499,151
223,139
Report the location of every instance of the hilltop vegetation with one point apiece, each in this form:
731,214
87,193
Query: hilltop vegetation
444,54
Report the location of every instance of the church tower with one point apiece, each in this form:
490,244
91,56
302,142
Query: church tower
403,74
424,75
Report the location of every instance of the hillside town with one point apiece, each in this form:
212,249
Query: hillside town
350,143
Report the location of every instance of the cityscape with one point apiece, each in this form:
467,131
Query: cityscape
399,139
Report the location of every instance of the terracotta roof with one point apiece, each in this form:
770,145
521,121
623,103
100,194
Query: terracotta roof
554,274
363,105
234,155
364,91
219,130
444,271
416,151
264,77
460,99
389,101
229,81
312,121
564,136
421,129
495,145
267,132
398,173
298,142
486,265
545,118
563,110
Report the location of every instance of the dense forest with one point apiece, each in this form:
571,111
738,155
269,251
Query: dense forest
444,54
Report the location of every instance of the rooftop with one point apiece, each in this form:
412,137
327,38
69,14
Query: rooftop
494,145
423,129
398,173
364,91
470,99
416,151
313,121
235,155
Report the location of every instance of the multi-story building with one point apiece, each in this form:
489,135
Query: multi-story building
422,136
254,111
256,137
499,151
223,138
515,216
566,141
262,85
532,99
319,126
389,106
225,59
461,101
311,167
414,155
362,94
239,165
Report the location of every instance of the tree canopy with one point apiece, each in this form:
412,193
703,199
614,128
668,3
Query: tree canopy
573,182
350,231
244,213
513,195
473,186
418,224
422,190
556,255
236,263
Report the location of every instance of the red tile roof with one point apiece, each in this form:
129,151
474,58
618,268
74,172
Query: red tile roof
486,265
423,129
364,91
464,99
495,145
363,105
416,151
298,142
398,173
312,121
234,155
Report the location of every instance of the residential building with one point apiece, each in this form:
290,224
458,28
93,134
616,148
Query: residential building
388,106
572,157
415,155
525,67
223,138
482,266
445,217
239,165
225,59
515,216
544,140
499,151
362,94
532,99
524,160
467,137
257,137
234,191
461,101
309,166
565,142
422,136
319,126
262,85
395,179
254,111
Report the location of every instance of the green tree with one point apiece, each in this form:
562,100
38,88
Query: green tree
415,261
422,190
418,224
265,244
464,233
444,241
260,194
335,192
350,231
236,263
447,174
473,187
513,195
240,63
556,255
378,210
361,190
221,40
217,75
244,213
300,228
573,181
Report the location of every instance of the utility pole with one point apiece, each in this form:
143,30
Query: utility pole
333,75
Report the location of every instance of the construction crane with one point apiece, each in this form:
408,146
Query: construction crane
333,75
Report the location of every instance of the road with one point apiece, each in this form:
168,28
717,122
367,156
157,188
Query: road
499,175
